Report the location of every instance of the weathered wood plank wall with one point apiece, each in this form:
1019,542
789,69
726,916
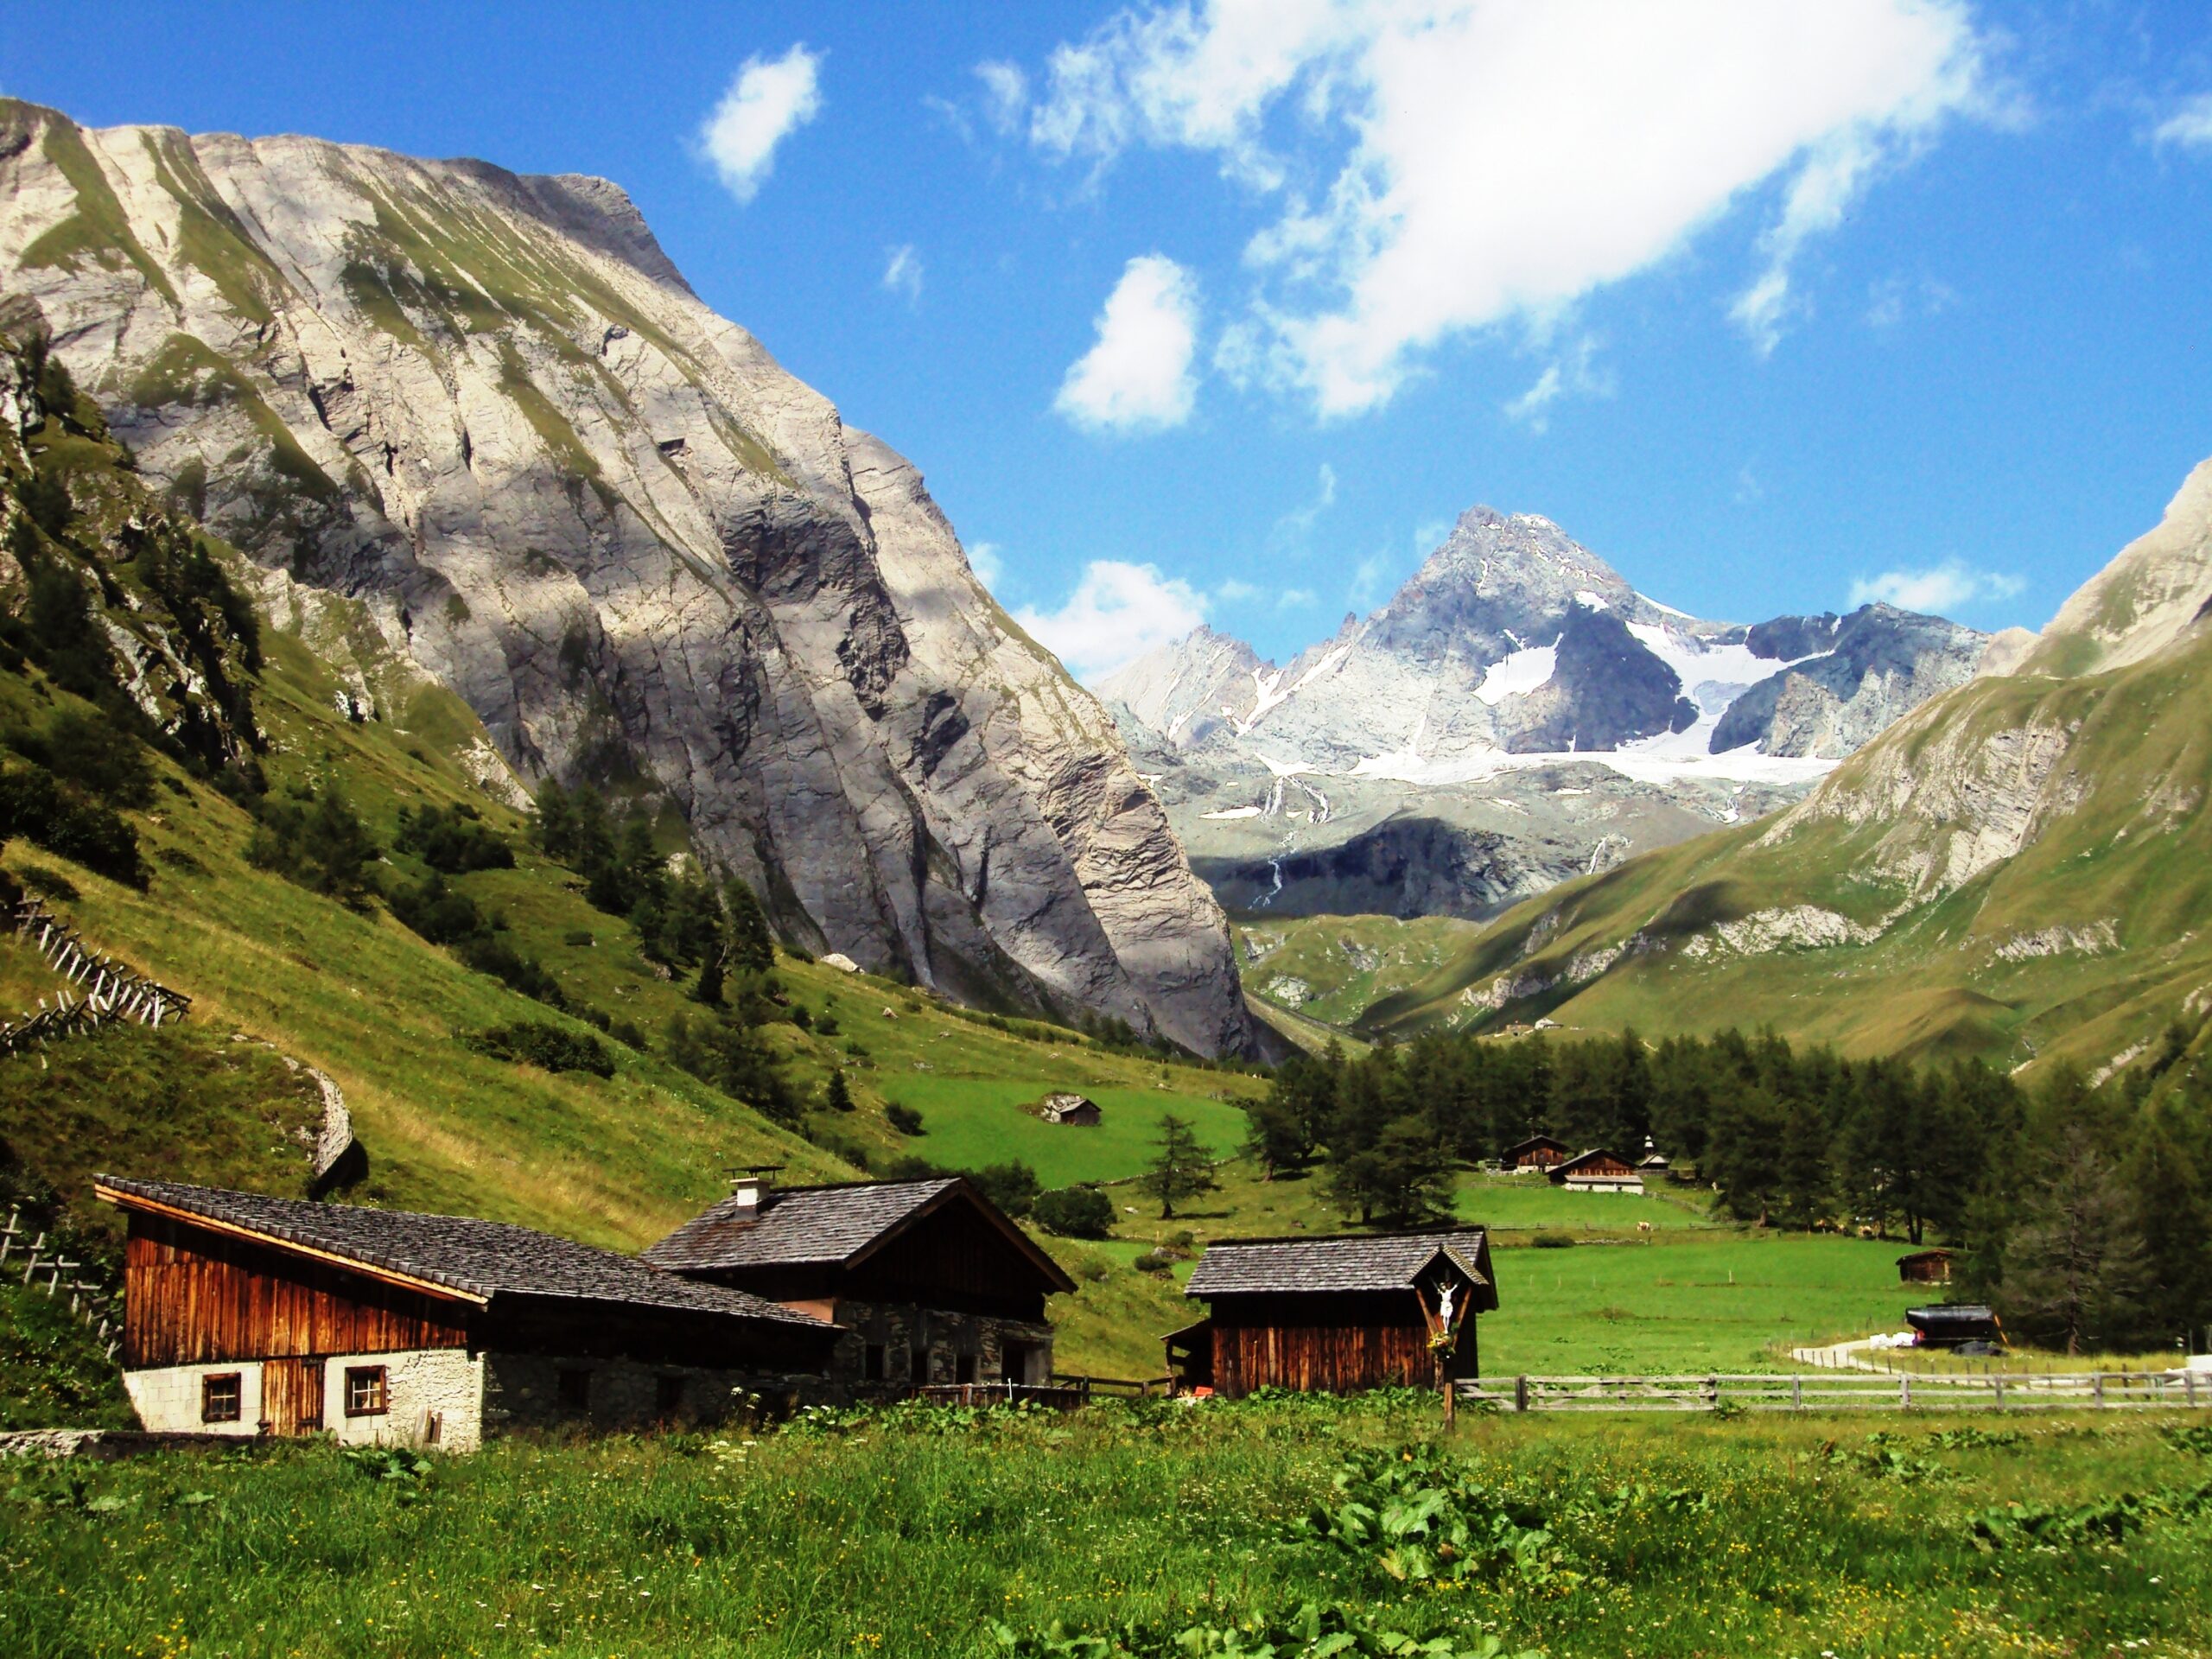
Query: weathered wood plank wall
190,1297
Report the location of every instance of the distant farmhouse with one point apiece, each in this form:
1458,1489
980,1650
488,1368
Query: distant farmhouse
1596,1170
1924,1268
1334,1314
1538,1152
1653,1166
248,1315
931,1284
1069,1108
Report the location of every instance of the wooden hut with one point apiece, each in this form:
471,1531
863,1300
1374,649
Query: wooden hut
1079,1111
1653,1166
1335,1314
1924,1268
1596,1170
245,1314
929,1282
1538,1152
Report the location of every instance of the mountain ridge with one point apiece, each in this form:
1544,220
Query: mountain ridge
487,406
1518,712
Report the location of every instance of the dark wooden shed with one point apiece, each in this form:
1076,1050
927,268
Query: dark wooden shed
1924,1268
1334,1314
1537,1152
934,1286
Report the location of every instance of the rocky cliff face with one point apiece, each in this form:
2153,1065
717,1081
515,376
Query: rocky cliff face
1517,713
489,407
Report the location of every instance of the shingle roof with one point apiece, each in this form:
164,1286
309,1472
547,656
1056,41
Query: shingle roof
479,1258
797,1226
823,1226
1350,1263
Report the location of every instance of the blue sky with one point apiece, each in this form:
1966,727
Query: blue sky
1229,310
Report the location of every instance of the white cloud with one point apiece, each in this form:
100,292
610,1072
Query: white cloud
1367,579
769,100
1894,299
1117,613
1292,526
902,273
1006,95
1137,377
1293,599
984,559
1942,589
1572,371
2189,126
1446,165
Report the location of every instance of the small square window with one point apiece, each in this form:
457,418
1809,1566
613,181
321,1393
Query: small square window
575,1390
872,1363
220,1398
368,1390
966,1364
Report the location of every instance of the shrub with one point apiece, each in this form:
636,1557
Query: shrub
1013,1187
1153,1262
553,1048
317,841
905,1118
907,1168
452,840
41,810
1075,1212
1553,1241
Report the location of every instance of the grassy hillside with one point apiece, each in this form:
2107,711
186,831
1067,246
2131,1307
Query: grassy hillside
2084,942
1332,968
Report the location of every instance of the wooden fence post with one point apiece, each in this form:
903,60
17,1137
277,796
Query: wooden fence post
1796,1393
1520,1394
2097,1387
1904,1391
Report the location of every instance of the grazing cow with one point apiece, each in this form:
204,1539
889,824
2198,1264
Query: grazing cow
1642,1226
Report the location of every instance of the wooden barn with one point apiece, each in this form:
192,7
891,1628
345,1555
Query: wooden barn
1653,1166
1924,1268
931,1284
1334,1314
1596,1170
245,1314
1537,1153
1078,1110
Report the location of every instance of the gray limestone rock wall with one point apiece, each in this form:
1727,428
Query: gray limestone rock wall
488,407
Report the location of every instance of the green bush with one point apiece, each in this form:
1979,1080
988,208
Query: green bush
553,1048
39,808
903,1118
317,841
453,841
1013,1187
1075,1212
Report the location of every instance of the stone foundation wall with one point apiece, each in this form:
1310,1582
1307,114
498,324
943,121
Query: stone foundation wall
527,1391
433,1396
943,1339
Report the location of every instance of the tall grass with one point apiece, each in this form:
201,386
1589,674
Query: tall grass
912,1534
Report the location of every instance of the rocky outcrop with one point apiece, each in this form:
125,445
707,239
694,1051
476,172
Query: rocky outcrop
1876,662
1403,866
487,408
2156,588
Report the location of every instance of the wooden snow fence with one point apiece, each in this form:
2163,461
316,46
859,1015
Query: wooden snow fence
1846,1391
112,991
94,1303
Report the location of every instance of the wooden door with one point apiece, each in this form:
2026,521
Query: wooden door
291,1396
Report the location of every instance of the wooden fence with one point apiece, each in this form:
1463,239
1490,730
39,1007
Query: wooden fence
1846,1391
112,991
91,1301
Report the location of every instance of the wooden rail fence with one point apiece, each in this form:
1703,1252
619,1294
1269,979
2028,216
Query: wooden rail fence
112,991
89,1299
1846,1391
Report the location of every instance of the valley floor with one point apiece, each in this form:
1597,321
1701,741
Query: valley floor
919,1534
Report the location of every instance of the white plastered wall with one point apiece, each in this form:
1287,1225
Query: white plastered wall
435,1397
167,1398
